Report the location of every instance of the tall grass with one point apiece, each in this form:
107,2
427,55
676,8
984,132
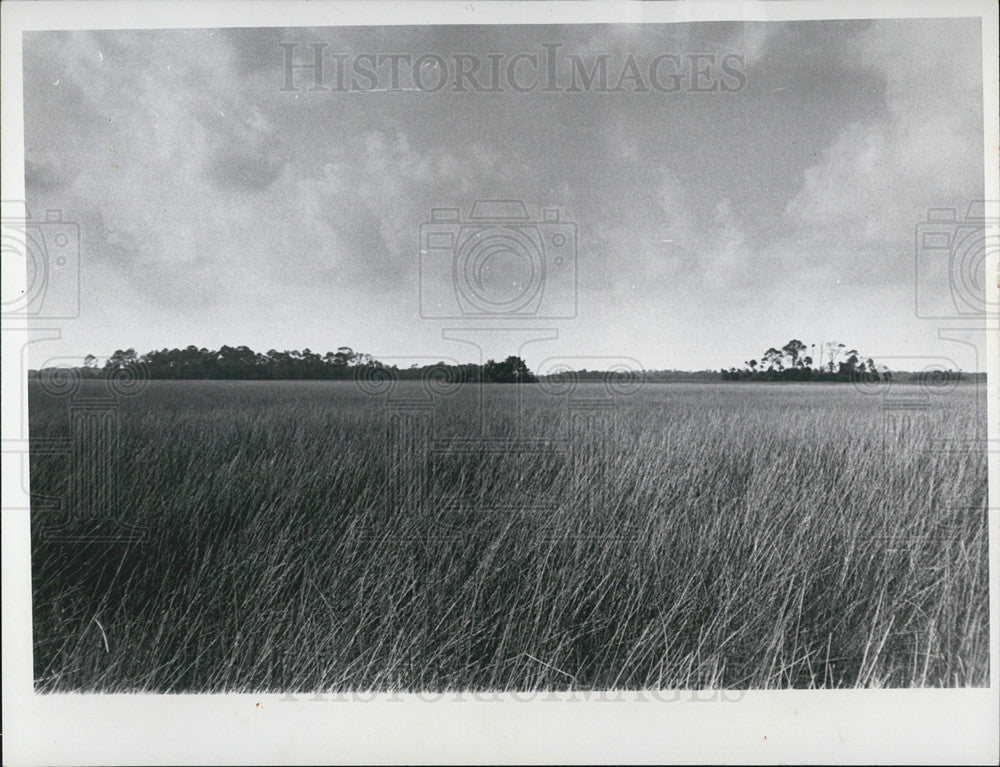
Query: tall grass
748,536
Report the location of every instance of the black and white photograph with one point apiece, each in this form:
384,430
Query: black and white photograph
387,354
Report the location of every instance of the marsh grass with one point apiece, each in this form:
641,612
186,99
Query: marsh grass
747,536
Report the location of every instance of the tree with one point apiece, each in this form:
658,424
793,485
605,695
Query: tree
833,352
511,370
121,359
794,350
345,356
773,359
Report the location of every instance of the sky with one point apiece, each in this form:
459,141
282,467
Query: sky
218,206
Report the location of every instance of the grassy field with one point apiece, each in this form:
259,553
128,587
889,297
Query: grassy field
297,537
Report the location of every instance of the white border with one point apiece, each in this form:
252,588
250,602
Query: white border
928,726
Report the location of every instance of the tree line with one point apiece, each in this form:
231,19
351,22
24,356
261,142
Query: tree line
796,362
240,363
792,362
827,362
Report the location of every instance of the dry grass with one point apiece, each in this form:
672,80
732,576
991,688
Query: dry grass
750,536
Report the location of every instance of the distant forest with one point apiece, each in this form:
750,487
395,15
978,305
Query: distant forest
834,362
241,363
790,363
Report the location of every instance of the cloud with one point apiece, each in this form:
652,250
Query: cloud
667,243
859,204
848,224
212,201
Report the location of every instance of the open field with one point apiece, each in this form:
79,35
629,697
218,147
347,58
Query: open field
737,535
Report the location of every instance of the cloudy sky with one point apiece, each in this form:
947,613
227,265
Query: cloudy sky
216,208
